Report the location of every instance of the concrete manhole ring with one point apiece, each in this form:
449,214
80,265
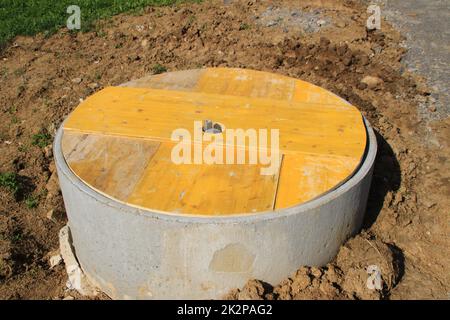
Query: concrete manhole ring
130,251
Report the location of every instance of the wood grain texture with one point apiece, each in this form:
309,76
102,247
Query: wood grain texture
304,177
111,165
213,189
155,114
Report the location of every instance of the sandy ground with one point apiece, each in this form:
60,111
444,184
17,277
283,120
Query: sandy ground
325,42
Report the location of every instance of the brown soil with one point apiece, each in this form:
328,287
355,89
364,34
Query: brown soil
406,226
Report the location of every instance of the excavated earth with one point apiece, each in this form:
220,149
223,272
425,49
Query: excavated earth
405,232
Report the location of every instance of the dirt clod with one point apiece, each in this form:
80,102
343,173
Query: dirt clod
372,82
77,80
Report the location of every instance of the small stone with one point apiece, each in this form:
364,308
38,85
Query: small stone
372,82
324,42
363,60
341,24
50,214
342,49
77,280
55,215
377,49
348,58
52,186
321,22
52,167
316,272
93,85
347,61
55,260
48,151
144,43
51,128
77,80
432,108
69,298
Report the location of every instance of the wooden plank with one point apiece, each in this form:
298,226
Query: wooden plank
154,114
203,189
110,165
178,80
246,83
305,177
70,141
258,84
308,93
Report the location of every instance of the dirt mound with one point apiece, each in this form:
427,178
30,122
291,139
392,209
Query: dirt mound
346,278
43,78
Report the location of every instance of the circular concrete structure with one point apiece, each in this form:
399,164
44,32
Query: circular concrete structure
131,251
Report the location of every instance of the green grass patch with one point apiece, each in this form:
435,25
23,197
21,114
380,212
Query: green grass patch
23,148
17,236
28,17
158,68
244,26
12,109
41,139
10,181
32,201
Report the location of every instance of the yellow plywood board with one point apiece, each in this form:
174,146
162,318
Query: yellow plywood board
322,138
111,165
203,189
155,114
250,83
304,177
246,83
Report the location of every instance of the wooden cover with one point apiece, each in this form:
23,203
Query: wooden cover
118,141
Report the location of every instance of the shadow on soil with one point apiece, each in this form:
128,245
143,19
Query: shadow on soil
386,177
